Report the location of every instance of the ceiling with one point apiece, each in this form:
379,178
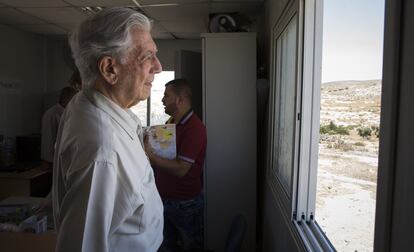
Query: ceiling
173,19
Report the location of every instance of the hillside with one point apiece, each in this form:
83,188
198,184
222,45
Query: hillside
347,164
351,102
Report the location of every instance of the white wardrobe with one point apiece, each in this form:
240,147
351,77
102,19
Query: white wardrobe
229,113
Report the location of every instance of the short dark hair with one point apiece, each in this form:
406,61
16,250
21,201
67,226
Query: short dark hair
181,87
66,95
75,80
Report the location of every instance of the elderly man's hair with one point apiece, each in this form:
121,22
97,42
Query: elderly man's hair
105,34
181,87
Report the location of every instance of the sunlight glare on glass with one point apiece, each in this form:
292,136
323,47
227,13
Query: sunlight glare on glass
158,115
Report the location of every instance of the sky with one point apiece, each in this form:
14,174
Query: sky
352,40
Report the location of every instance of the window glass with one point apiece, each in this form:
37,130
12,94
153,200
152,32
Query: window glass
157,114
141,111
285,106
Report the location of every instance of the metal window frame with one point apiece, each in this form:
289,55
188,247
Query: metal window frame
149,111
300,206
288,201
309,230
309,137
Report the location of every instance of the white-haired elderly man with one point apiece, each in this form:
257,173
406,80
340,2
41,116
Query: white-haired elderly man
104,195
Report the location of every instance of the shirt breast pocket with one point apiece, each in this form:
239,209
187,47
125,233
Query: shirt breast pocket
132,224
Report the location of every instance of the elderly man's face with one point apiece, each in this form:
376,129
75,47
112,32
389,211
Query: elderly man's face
142,64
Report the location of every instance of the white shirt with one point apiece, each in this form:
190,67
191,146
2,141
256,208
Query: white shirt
50,124
104,193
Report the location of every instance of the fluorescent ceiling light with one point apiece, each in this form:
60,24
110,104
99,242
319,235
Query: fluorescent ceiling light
92,10
154,5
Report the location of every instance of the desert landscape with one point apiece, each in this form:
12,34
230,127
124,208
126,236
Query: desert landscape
347,164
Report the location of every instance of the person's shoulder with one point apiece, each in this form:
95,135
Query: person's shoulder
195,126
195,121
88,123
80,108
88,140
50,115
51,110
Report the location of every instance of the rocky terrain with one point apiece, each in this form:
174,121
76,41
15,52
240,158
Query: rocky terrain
348,160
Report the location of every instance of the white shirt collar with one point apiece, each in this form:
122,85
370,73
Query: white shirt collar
124,117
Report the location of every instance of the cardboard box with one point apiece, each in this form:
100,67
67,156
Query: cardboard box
22,242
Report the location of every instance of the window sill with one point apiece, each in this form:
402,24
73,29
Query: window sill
313,237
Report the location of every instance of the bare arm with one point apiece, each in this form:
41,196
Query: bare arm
175,167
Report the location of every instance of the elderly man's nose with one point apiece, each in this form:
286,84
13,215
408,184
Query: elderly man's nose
157,68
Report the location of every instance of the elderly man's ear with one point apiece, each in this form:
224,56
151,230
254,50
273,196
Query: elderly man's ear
109,70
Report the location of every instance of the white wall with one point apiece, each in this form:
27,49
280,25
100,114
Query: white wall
230,115
22,65
168,47
59,68
36,69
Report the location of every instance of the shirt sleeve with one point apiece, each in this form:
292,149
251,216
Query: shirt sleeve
94,205
47,142
192,144
50,125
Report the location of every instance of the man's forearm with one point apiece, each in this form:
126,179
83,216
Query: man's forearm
175,167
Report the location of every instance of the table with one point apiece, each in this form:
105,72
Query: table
35,182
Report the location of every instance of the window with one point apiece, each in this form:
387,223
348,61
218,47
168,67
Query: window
326,201
349,122
284,109
152,112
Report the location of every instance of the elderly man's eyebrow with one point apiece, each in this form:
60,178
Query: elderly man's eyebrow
147,55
